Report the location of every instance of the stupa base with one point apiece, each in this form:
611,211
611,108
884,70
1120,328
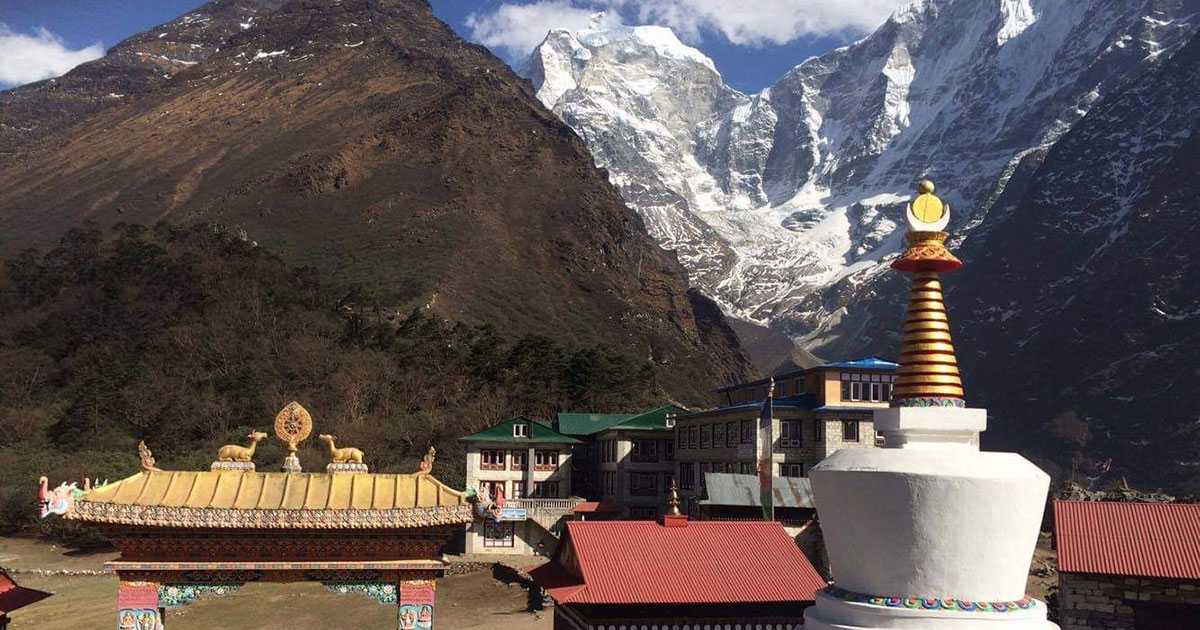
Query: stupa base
832,613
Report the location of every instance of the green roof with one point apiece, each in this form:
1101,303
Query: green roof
651,420
589,423
539,433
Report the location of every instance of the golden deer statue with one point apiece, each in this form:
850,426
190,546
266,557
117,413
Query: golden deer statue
341,455
237,453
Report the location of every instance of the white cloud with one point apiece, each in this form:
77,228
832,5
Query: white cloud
762,22
518,28
25,58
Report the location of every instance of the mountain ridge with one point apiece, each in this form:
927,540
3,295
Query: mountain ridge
365,139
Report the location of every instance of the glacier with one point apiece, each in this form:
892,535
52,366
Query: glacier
783,205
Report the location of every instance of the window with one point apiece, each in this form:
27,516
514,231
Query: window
518,460
849,430
731,434
497,534
706,436
791,470
818,430
545,489
643,484
643,513
608,481
704,468
718,435
790,434
668,481
694,437
644,451
876,392
520,430
492,460
518,490
687,475
681,435
545,460
669,450
747,468
747,431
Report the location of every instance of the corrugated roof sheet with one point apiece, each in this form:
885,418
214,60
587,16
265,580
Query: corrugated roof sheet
653,419
538,433
227,490
1135,539
865,363
13,596
589,423
595,507
642,562
742,490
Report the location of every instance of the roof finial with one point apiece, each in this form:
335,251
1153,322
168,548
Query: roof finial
673,502
929,370
771,389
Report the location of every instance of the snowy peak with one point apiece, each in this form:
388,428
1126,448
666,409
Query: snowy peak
782,205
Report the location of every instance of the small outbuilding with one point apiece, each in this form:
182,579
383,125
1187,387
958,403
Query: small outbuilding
1128,565
674,573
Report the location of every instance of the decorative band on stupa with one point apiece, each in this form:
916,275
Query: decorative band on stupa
928,375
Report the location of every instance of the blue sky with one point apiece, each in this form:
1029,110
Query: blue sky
753,42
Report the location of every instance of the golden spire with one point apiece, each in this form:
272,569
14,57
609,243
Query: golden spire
928,368
673,502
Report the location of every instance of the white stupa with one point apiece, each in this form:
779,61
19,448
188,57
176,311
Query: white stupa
928,532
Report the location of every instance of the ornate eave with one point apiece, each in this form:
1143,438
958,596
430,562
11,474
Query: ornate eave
224,518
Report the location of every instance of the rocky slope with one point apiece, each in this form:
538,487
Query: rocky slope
131,68
1084,292
364,138
783,204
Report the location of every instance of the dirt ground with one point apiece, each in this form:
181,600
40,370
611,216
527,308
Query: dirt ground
84,602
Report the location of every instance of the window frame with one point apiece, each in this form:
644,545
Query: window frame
521,430
550,463
485,465
507,531
851,431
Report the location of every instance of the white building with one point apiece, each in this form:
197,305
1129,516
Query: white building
498,460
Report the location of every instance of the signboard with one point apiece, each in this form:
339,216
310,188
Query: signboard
512,514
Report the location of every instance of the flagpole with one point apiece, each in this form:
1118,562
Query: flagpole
766,465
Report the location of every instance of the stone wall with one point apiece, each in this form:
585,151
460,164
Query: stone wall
1088,601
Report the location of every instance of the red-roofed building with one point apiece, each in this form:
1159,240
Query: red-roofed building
675,573
1128,565
13,597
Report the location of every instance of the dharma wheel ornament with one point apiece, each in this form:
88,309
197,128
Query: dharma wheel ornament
928,367
293,425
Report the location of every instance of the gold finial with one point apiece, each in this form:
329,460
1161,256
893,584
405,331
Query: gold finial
673,502
147,457
771,389
293,425
928,367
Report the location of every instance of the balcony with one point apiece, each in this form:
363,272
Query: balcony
545,505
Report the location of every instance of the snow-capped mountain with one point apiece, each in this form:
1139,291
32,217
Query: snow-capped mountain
783,204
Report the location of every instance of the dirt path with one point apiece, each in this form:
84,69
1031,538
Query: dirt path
474,600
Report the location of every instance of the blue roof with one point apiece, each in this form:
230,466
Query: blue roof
865,363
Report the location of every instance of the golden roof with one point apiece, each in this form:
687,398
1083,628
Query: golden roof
274,500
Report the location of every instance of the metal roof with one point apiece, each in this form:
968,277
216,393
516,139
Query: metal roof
255,500
13,596
538,433
596,507
865,363
1136,539
589,423
799,402
655,419
742,490
643,562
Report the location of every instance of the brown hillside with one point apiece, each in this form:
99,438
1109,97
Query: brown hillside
366,139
